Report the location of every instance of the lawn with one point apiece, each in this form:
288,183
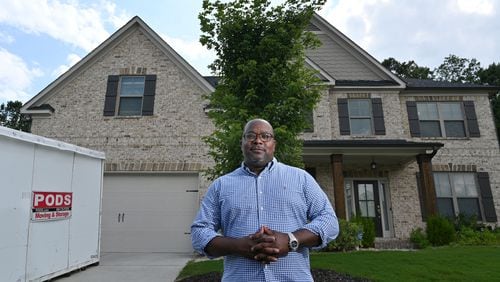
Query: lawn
451,263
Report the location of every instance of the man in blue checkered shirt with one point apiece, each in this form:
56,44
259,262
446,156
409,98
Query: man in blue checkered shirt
264,216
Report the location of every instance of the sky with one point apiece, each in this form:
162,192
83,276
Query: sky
41,39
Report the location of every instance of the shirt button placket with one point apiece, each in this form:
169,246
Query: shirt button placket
260,201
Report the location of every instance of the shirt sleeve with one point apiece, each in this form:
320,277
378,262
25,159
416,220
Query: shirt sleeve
322,218
207,221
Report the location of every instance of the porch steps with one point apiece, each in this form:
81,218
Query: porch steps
392,243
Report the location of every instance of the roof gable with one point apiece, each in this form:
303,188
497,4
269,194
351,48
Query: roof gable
344,60
35,105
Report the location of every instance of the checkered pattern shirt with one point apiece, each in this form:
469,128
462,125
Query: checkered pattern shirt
282,197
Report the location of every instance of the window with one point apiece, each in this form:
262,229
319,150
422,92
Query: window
443,119
361,116
130,95
457,193
309,117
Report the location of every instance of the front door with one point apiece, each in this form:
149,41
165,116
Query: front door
368,203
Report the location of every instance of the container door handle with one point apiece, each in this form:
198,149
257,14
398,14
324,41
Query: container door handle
121,217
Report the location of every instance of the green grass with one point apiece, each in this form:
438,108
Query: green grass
453,263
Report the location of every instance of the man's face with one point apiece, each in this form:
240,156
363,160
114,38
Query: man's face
257,153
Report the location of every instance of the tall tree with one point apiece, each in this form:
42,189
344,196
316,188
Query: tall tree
260,61
408,69
491,76
456,69
11,116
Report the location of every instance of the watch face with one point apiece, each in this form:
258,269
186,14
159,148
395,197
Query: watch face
294,244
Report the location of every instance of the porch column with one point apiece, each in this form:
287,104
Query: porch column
427,184
338,185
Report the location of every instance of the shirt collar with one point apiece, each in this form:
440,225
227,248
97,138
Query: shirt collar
270,166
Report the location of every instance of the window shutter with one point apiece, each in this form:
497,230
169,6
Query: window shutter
411,107
470,115
345,128
378,116
486,197
149,95
110,98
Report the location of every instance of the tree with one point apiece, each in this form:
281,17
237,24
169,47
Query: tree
260,61
11,116
456,69
491,76
408,69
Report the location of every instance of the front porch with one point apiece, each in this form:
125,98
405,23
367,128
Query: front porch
377,179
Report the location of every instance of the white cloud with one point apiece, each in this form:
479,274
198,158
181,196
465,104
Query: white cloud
6,38
71,59
193,52
15,77
481,7
425,31
67,21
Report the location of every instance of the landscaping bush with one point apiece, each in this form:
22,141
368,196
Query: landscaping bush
348,238
463,221
368,225
468,236
419,239
440,231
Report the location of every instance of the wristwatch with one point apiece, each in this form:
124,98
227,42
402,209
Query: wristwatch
293,243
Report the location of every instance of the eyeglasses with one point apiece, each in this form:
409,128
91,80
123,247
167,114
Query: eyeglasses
251,136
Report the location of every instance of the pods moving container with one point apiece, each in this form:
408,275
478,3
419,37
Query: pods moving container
49,208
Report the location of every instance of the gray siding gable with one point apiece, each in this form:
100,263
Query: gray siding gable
342,59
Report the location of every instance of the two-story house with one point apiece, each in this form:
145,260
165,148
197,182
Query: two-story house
382,147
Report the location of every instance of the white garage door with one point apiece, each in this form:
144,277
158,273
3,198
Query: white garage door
148,213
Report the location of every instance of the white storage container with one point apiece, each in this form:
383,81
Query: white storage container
50,207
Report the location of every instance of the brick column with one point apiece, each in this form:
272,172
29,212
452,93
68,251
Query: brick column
427,185
338,185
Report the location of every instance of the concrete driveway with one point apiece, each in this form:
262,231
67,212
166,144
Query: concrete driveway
124,267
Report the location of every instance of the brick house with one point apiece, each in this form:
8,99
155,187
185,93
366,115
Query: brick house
391,149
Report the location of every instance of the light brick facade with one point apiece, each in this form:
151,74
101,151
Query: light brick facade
171,139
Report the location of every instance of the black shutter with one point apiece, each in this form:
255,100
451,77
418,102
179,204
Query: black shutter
149,95
378,116
110,98
345,128
486,197
470,115
411,107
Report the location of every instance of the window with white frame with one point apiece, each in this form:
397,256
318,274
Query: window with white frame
441,119
360,116
457,193
130,95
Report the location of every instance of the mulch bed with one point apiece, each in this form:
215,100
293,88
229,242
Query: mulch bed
319,275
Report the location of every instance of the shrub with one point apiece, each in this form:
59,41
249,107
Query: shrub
440,231
468,236
419,239
348,238
368,225
466,221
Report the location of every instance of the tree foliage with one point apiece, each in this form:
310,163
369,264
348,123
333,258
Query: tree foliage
260,61
491,76
408,69
456,69
11,116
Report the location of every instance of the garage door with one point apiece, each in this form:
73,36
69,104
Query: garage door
148,213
